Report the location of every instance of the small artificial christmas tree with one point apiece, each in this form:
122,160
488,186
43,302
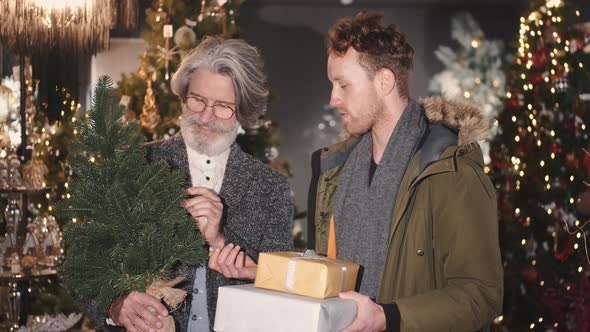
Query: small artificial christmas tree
128,230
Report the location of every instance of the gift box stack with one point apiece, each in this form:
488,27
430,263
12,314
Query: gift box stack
292,292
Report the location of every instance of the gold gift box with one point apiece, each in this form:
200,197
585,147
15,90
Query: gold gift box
305,274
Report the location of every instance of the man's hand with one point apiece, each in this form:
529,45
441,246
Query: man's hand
232,263
138,312
207,210
370,316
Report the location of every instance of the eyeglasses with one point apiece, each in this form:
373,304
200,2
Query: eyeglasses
198,105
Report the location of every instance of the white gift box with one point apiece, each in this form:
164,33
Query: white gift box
245,308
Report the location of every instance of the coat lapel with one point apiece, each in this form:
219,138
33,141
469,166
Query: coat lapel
180,159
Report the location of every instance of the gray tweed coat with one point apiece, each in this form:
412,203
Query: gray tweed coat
258,215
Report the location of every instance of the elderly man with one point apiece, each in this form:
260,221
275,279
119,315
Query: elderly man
240,206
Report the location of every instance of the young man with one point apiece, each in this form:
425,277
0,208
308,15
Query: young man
240,206
406,197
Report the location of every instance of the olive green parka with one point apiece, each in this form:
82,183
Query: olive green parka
443,268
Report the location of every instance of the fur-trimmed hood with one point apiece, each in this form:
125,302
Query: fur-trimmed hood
460,114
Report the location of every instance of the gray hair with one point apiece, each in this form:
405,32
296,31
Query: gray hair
238,60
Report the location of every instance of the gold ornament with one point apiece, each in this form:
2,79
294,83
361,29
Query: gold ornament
34,172
213,11
150,118
166,54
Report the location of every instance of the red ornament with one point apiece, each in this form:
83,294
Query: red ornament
540,58
567,249
587,163
577,44
530,275
536,78
583,204
513,103
504,207
572,160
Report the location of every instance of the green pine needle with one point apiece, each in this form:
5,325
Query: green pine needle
130,229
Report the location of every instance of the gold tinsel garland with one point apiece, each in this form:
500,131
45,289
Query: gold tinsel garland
78,26
150,118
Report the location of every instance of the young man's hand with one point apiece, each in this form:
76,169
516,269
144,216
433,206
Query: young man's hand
370,316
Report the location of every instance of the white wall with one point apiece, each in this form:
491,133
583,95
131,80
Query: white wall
122,57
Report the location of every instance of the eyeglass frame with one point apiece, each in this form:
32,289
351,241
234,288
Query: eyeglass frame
216,103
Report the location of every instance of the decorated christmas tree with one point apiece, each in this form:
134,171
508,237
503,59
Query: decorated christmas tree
474,71
539,167
51,133
128,230
174,27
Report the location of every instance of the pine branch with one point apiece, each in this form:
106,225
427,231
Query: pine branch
131,229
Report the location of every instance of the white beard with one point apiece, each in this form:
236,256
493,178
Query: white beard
203,144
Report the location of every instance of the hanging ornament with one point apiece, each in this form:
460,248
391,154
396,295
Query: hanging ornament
34,173
185,37
201,16
129,114
513,102
572,160
567,249
540,58
576,44
583,204
530,274
214,12
150,118
536,78
561,85
161,15
166,54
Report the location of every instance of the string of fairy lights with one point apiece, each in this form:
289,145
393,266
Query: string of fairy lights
49,145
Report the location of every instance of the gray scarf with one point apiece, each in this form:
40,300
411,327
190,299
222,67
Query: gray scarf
363,212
